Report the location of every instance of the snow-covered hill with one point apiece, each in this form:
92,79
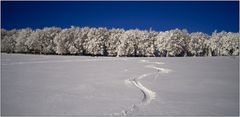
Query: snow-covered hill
81,85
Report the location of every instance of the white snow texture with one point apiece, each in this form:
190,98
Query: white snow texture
110,86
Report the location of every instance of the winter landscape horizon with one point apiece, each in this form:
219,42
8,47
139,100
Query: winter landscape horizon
119,42
141,58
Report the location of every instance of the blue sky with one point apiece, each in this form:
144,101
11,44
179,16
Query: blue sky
193,16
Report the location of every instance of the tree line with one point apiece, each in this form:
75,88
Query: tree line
119,42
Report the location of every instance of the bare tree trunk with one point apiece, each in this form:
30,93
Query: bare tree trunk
209,52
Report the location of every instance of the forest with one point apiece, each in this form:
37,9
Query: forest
119,42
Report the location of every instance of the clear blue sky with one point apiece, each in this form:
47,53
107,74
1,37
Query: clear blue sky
193,16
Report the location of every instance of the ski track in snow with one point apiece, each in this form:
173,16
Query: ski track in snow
146,61
148,95
162,70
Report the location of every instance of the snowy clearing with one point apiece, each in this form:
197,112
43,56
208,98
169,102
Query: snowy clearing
81,85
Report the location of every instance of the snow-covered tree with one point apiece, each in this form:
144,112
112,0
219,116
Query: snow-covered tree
8,40
173,43
233,45
113,41
3,33
41,41
65,42
21,39
151,47
47,42
145,43
96,41
33,42
224,44
79,37
128,43
73,41
180,40
198,44
160,44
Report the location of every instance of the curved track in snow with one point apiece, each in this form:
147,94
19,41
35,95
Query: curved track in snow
148,95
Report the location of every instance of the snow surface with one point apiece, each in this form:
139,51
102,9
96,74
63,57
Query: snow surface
80,85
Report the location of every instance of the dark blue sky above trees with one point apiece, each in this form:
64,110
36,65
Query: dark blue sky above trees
202,16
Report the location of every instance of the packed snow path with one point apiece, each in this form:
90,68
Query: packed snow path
148,95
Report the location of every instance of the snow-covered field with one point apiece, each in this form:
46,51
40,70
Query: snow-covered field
78,85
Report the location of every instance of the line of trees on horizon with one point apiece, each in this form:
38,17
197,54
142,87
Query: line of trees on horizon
119,42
